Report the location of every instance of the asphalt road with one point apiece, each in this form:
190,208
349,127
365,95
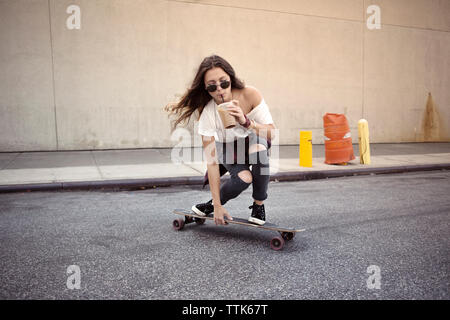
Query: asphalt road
125,247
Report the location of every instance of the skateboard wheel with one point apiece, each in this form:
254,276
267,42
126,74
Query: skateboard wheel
277,243
178,224
199,221
188,219
288,236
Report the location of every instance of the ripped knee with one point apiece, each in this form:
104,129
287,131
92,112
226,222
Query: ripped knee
246,176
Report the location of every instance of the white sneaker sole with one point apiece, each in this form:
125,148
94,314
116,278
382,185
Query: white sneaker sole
257,221
198,212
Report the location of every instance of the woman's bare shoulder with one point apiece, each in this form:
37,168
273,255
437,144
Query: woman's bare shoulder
252,95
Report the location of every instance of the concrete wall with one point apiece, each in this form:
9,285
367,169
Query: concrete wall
27,106
105,85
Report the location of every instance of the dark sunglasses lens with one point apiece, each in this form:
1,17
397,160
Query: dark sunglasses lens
211,88
225,84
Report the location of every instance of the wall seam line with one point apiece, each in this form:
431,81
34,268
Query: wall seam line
307,15
264,10
53,76
363,58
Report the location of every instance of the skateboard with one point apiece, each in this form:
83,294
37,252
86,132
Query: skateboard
277,243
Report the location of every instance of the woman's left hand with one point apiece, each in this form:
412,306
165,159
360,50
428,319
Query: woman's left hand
235,110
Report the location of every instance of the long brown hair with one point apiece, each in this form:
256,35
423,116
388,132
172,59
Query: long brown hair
196,97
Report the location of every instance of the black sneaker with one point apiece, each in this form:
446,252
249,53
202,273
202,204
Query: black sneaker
258,214
203,209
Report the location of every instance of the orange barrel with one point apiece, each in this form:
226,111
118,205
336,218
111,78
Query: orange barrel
338,140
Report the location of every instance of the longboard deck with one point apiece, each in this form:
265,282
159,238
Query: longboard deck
237,220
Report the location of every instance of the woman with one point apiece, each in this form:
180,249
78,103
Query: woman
214,83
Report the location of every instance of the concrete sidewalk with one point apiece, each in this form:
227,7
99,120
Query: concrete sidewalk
147,168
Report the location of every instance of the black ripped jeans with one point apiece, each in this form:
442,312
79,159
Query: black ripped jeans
235,157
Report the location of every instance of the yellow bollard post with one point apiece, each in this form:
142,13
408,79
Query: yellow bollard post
364,144
305,149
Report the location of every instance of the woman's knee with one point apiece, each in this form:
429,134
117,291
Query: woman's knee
246,176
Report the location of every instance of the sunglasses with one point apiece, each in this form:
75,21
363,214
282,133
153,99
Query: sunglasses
213,87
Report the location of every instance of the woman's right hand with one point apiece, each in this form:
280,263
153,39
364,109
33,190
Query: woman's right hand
220,213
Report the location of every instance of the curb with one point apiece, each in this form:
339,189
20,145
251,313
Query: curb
135,184
325,174
126,184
